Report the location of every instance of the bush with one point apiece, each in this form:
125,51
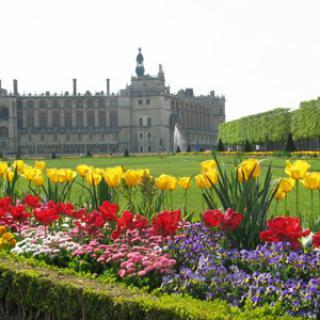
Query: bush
29,290
189,148
53,156
126,153
247,146
178,150
89,154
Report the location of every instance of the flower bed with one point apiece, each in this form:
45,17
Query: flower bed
243,256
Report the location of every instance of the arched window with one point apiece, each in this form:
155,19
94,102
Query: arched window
20,119
4,113
149,122
140,122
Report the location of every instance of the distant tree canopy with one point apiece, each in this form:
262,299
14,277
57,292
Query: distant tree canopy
274,125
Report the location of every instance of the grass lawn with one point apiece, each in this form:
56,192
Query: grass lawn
186,165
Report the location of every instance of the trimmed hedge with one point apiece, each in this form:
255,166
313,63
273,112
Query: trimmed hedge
29,290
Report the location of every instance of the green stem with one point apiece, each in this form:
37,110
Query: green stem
311,225
285,206
297,198
275,209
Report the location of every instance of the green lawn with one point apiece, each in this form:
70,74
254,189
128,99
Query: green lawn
184,165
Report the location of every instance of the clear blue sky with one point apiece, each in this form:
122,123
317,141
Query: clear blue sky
260,54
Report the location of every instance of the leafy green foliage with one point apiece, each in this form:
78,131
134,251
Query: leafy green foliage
252,198
32,290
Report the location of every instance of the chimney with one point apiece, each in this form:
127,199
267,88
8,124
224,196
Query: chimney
15,87
108,87
74,87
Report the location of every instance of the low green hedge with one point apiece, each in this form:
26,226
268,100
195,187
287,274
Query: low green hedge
29,290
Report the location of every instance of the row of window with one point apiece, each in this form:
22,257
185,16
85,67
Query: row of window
140,102
56,103
145,121
56,121
67,137
141,135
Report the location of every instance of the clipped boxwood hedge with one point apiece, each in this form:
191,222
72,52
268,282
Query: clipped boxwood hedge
29,290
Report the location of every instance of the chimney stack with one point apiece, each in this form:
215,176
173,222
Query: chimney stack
74,87
108,87
15,87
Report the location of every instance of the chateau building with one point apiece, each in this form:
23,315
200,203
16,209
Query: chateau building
143,117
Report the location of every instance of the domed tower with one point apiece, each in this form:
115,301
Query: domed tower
139,67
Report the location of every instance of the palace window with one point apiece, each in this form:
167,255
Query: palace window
141,135
55,103
67,137
42,103
79,103
43,120
141,148
148,101
149,136
68,103
140,122
149,148
30,104
101,103
149,122
68,119
56,119
20,119
90,119
90,103
102,119
79,119
4,114
140,102
42,137
30,119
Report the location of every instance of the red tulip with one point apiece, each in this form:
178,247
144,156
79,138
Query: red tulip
166,223
31,201
109,211
212,218
316,240
46,216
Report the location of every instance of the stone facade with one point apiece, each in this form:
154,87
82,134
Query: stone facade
140,118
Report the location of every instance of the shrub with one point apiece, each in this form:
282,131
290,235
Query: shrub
189,148
126,153
53,156
220,146
30,290
290,147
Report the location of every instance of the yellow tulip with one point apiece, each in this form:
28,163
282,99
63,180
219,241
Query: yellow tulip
212,175
112,178
166,182
53,175
132,177
248,169
3,168
83,170
185,182
280,194
208,165
40,165
298,169
19,164
286,184
70,174
38,180
9,175
29,173
7,240
311,180
93,178
202,181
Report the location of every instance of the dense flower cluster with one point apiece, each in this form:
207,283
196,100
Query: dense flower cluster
269,274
